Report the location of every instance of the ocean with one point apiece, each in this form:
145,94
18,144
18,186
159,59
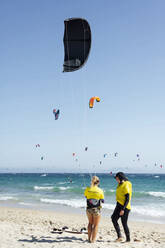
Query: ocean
65,191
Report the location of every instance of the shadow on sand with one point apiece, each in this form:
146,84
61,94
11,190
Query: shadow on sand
50,239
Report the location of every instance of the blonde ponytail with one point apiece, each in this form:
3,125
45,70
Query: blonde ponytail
95,181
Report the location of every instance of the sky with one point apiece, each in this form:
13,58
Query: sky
125,69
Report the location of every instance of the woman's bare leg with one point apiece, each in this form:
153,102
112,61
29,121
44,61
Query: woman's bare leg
90,224
96,220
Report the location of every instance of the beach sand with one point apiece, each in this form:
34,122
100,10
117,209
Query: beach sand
33,228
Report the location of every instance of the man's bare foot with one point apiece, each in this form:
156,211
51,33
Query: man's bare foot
118,240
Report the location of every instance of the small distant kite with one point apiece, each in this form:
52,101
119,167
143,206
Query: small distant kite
86,148
38,145
105,155
73,154
92,99
161,166
138,157
56,113
100,162
116,153
42,158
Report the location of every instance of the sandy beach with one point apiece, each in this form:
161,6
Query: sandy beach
34,228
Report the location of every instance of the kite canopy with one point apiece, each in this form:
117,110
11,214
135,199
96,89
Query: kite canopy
92,99
56,113
77,43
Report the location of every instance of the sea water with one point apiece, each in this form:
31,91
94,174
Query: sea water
65,191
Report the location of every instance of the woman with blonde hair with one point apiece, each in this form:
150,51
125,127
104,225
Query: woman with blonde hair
94,197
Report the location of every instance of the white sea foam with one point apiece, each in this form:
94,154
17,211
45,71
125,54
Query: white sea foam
64,188
62,182
150,210
76,203
43,188
108,206
157,194
26,204
6,198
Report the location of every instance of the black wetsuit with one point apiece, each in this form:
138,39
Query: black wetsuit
116,215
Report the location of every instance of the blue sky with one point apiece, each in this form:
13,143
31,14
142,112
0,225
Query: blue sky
125,69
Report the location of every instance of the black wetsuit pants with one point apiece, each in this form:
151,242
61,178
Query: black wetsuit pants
115,216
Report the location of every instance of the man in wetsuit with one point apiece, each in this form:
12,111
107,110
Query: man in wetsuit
123,205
